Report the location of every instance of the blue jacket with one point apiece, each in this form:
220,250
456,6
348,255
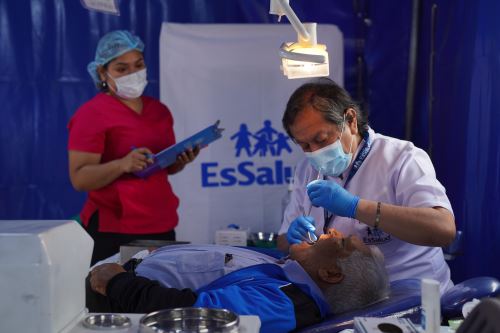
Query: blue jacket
283,296
257,290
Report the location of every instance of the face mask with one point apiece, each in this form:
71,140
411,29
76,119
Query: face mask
331,160
132,85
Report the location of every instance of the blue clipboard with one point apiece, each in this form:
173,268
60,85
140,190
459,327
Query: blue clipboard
168,156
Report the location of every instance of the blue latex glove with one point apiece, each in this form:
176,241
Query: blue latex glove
333,197
297,232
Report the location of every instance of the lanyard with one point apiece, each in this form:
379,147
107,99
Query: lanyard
360,158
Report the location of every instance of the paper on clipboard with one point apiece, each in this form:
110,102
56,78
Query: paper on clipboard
168,156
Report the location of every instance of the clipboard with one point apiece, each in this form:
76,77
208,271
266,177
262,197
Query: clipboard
168,156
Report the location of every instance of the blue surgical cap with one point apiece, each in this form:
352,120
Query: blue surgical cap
110,46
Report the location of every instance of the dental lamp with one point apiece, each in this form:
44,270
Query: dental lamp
304,58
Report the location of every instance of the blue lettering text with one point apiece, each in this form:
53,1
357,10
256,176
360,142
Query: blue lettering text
244,174
205,174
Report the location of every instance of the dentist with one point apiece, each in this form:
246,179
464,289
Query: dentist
381,189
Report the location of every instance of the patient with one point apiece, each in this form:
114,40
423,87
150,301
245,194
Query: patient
333,275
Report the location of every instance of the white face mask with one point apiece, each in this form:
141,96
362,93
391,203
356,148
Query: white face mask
132,85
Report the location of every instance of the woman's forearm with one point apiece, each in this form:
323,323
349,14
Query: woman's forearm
95,176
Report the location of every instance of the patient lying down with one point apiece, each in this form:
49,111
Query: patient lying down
334,275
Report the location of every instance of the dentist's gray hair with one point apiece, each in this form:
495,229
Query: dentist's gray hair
326,97
365,281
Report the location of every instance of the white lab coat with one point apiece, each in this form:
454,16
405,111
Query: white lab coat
394,172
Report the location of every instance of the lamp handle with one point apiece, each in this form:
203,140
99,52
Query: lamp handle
316,58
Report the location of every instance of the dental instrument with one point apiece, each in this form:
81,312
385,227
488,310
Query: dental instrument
310,241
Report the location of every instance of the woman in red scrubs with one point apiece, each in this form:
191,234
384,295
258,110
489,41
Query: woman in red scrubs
103,136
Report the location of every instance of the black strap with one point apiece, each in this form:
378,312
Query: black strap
360,158
131,265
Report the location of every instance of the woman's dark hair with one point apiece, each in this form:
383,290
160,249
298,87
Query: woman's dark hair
327,97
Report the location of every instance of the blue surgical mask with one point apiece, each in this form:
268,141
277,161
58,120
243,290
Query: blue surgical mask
331,160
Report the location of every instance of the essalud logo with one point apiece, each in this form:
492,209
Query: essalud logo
267,144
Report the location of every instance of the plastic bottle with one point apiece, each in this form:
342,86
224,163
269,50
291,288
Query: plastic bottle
431,306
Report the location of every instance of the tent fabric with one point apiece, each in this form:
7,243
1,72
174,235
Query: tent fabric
46,44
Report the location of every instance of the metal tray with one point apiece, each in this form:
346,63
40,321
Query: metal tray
106,321
189,320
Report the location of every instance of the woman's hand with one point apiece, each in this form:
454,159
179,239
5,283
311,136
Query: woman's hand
186,157
102,274
137,160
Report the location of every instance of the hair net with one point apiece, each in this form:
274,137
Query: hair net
112,45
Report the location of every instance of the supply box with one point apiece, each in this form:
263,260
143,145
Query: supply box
234,237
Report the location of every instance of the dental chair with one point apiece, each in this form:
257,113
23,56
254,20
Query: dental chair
404,298
404,302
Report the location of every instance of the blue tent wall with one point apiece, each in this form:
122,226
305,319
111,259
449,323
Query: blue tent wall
465,145
46,45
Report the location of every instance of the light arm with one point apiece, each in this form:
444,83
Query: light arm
304,58
282,7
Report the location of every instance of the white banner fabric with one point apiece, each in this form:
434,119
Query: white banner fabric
231,73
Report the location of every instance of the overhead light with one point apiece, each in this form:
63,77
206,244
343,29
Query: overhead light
305,57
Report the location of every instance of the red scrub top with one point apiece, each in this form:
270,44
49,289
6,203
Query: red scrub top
129,205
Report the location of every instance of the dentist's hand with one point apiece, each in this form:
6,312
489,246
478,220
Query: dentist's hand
297,232
333,197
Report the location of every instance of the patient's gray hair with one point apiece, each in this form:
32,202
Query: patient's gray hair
365,281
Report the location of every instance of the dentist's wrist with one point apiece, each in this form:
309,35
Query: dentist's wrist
353,206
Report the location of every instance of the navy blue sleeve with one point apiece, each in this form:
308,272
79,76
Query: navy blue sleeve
136,294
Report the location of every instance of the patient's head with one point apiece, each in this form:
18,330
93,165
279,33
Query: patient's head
350,273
